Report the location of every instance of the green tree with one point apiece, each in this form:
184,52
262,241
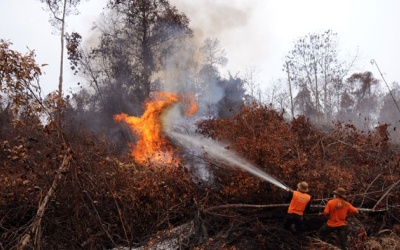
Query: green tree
359,102
137,40
136,37
146,36
314,68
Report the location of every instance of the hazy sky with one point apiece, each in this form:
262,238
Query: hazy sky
254,33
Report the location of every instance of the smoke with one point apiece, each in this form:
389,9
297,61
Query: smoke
243,28
210,18
183,66
182,76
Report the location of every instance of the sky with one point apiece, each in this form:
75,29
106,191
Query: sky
255,34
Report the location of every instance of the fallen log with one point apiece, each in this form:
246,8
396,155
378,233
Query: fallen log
35,227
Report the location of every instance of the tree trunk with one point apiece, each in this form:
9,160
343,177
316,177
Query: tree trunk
35,227
290,90
60,79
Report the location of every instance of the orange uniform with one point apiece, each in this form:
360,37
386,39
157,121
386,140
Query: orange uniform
299,203
337,209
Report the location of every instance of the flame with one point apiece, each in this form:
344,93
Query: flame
152,145
189,103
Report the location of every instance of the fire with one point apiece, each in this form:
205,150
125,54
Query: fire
152,145
190,104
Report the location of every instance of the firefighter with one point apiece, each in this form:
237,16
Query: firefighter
337,209
299,203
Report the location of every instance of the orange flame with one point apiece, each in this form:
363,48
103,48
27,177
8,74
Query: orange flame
152,145
190,104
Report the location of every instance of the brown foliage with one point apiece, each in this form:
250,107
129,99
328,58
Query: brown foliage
297,150
102,201
364,164
17,75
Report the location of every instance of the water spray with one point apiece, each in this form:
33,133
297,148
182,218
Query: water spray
218,151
